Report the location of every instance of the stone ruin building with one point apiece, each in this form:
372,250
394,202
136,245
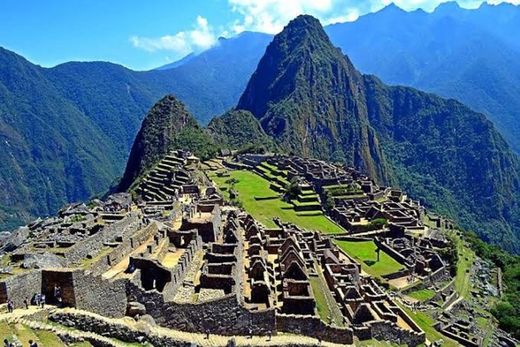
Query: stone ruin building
173,251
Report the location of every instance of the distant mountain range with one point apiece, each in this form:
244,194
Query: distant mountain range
66,132
55,123
470,55
310,99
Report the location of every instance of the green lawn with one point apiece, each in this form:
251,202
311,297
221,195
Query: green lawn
366,251
251,185
321,302
422,294
426,322
463,283
325,302
23,333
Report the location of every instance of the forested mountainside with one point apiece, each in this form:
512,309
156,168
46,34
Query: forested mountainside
65,132
313,102
470,55
239,129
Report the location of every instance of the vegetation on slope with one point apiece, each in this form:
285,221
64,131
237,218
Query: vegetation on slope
507,310
167,126
310,98
239,129
307,95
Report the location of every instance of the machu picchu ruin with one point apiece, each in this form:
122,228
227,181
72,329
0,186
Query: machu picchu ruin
276,191
249,248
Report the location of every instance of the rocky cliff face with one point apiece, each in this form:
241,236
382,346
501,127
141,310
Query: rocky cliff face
313,102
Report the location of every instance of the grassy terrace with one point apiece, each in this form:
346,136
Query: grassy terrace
425,322
466,258
24,334
250,186
365,253
422,294
325,302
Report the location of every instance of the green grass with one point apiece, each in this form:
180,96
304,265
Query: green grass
324,301
422,294
426,322
81,344
24,334
47,338
366,251
321,302
463,283
250,185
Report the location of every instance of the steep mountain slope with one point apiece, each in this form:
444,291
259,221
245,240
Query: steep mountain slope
470,55
239,129
310,98
90,113
167,126
49,150
449,157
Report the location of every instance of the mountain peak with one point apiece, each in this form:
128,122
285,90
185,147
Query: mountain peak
302,30
448,6
305,92
161,126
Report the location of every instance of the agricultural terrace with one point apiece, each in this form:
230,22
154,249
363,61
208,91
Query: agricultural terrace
422,294
365,253
263,203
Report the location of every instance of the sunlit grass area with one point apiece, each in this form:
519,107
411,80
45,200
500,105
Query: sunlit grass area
365,253
264,204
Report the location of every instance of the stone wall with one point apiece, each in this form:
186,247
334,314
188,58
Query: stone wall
390,251
388,331
122,332
438,275
18,288
184,263
104,297
314,327
124,227
223,316
398,274
121,251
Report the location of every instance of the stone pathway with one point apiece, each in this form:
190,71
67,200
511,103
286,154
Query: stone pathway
20,316
214,340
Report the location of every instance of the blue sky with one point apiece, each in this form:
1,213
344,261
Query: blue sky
143,34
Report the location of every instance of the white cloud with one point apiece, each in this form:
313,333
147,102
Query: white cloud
201,37
271,16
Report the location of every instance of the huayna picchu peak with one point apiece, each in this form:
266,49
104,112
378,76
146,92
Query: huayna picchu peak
309,97
314,205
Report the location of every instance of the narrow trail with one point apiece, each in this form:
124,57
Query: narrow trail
22,316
